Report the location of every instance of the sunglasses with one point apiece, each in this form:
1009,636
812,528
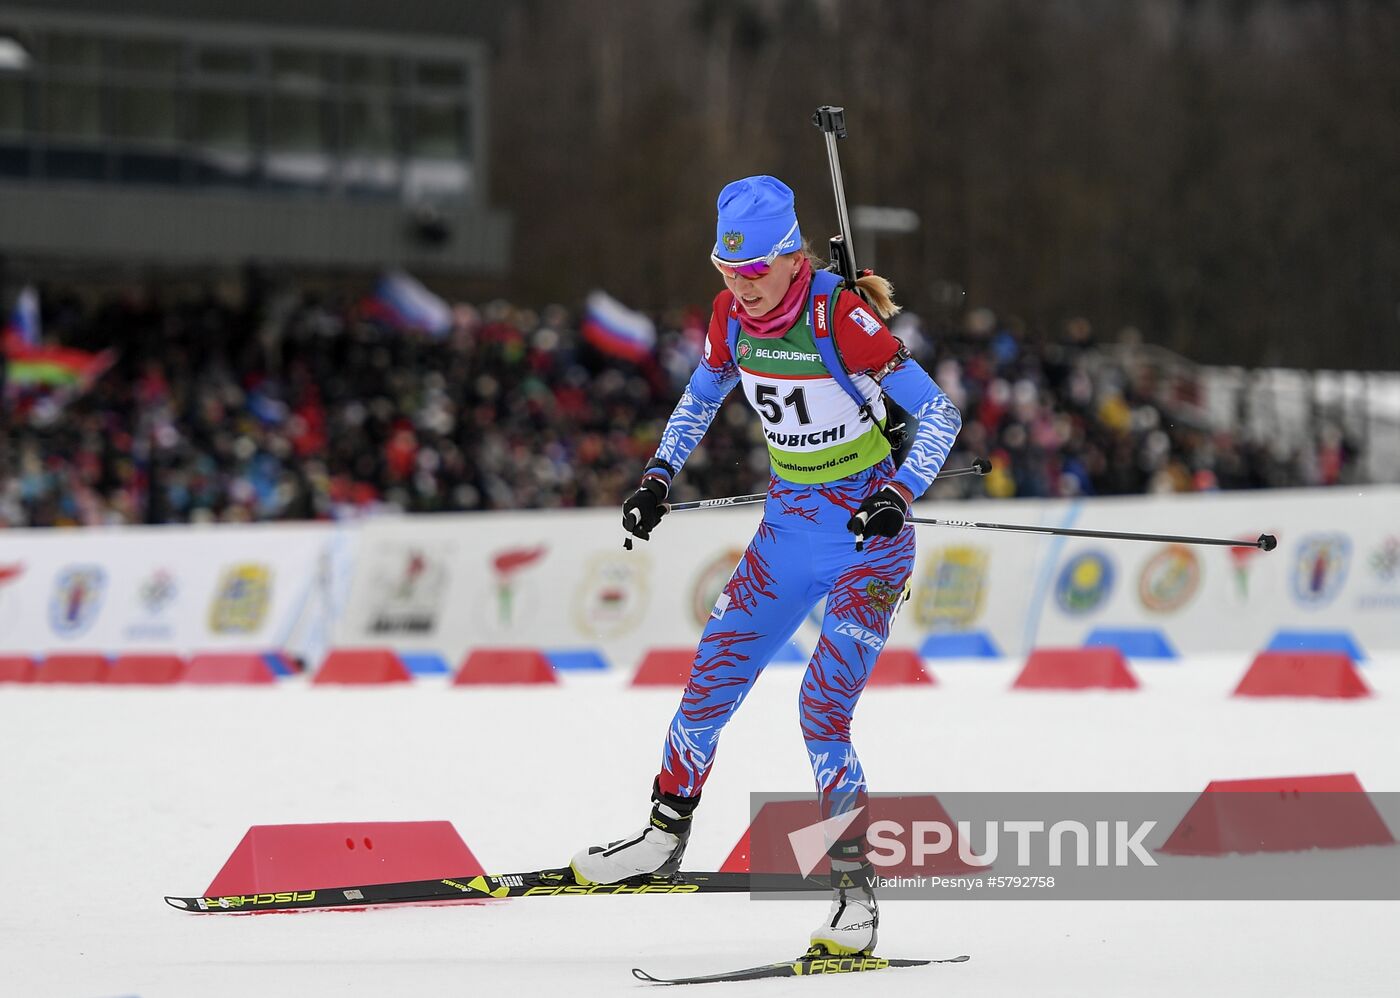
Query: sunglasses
750,269
753,269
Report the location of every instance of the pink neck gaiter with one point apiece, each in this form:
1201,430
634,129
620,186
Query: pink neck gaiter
780,318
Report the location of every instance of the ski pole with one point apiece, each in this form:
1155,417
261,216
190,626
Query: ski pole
832,122
1266,542
979,467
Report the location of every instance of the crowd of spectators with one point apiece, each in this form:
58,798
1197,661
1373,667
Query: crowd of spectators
297,405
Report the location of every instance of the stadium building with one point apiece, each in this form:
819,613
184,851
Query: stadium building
308,134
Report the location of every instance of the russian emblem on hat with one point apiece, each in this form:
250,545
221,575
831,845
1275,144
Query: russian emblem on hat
732,241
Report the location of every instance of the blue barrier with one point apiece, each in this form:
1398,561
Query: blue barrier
577,660
1341,641
424,663
962,644
1143,642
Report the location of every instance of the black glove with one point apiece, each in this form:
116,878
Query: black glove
644,508
881,515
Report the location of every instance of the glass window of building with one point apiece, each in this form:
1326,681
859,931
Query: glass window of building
73,110
301,69
369,70
439,130
14,104
440,75
151,56
223,120
369,159
298,124
226,61
73,51
145,114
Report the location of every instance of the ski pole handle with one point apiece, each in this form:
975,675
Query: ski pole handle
860,534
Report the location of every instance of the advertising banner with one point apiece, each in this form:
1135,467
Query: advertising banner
181,589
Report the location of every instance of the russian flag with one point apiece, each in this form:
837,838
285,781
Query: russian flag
403,302
615,329
22,330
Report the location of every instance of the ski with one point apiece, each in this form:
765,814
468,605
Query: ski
474,887
810,964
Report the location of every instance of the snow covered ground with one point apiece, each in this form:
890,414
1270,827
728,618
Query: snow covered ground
110,798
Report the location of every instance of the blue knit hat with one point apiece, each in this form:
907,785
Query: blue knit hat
757,219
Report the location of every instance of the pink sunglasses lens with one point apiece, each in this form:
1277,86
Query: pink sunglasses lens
752,271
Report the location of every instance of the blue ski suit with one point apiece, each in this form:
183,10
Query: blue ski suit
828,454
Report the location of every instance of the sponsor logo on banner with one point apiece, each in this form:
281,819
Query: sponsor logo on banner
8,573
1169,579
1320,569
953,589
241,599
1242,561
1384,563
154,595
613,595
77,598
513,599
409,583
707,591
1084,583
1385,560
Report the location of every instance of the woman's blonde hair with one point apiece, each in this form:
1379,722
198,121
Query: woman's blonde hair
872,287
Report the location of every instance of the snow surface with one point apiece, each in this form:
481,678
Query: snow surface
111,798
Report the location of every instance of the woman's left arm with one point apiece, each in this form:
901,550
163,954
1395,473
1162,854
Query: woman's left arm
938,424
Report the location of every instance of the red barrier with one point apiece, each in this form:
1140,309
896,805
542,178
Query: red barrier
1285,814
229,667
357,666
147,669
504,666
16,669
73,667
1302,674
1075,669
665,667
899,667
274,858
765,846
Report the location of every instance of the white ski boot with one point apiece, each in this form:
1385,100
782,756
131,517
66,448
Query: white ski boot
851,925
655,849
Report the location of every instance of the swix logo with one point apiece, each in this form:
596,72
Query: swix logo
820,311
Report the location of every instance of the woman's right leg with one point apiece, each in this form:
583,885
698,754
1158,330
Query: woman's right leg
757,613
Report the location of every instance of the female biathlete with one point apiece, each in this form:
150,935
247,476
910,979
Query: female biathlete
814,363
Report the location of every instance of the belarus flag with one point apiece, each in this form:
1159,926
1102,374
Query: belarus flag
615,329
